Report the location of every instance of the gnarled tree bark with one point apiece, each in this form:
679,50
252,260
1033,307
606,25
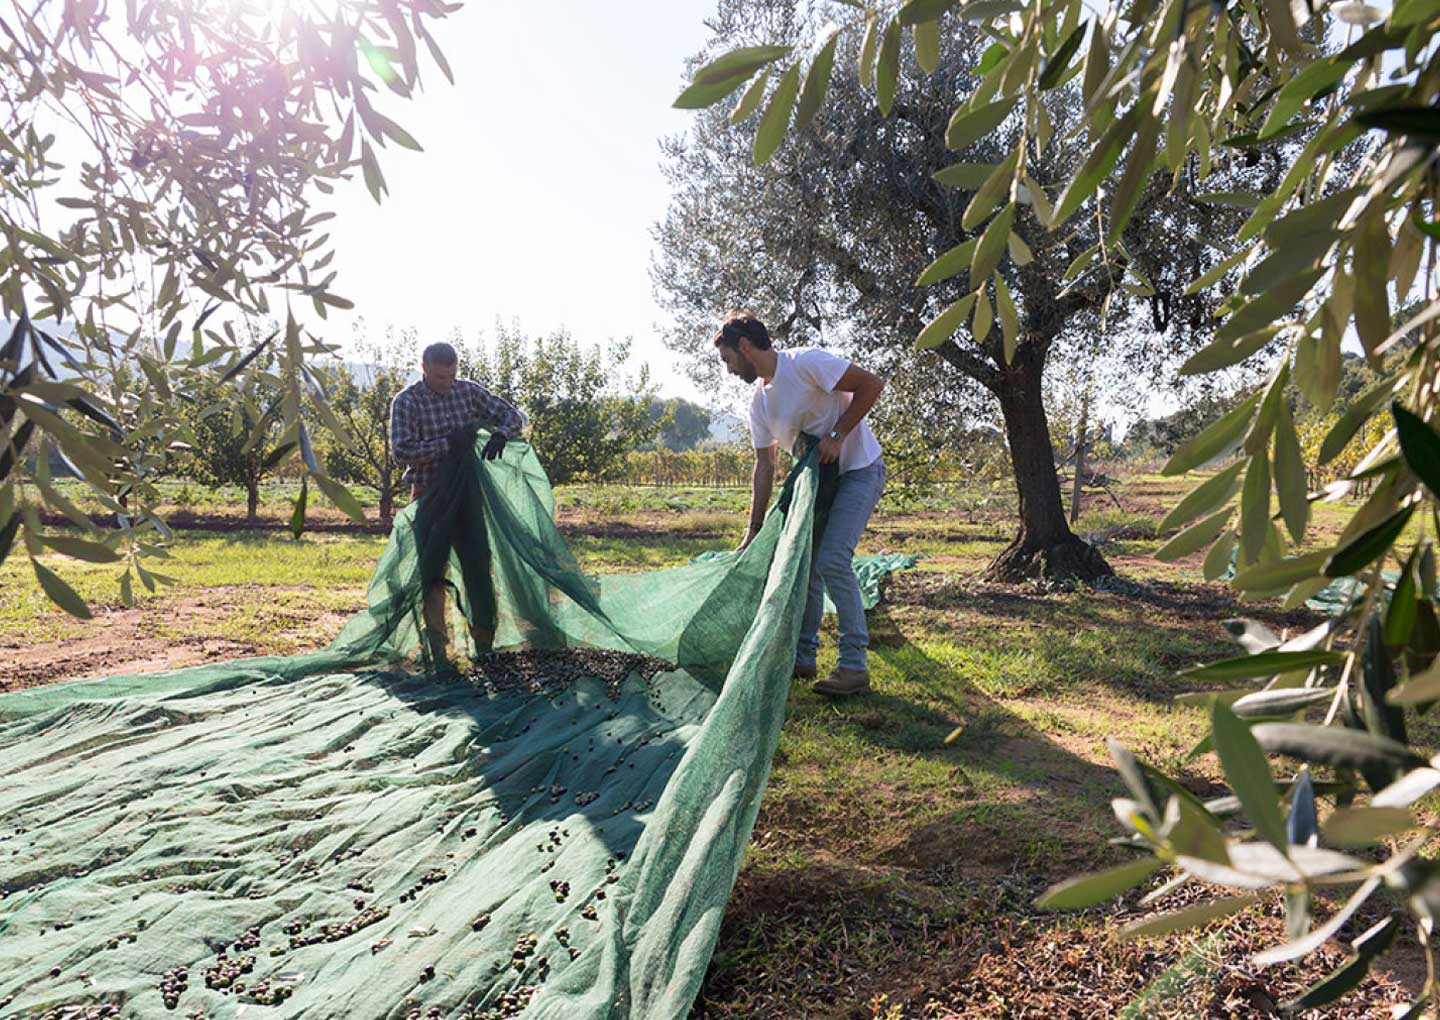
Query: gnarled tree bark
1044,546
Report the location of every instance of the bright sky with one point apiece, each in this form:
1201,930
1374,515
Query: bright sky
539,182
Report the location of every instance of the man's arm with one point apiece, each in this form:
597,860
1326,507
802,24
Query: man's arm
866,388
762,481
496,413
406,444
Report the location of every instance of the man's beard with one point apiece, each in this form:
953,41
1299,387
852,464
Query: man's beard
748,373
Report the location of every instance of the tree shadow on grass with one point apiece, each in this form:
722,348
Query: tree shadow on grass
943,895
917,880
954,777
1133,643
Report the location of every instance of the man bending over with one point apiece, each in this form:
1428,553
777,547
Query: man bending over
818,394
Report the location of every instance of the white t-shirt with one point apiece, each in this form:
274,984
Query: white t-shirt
802,398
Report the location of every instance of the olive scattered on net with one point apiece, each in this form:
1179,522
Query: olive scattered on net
552,671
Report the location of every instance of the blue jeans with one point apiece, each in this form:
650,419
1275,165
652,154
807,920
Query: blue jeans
833,569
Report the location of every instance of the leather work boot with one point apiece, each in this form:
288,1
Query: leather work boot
842,681
804,671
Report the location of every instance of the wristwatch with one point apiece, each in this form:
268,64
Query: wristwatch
835,434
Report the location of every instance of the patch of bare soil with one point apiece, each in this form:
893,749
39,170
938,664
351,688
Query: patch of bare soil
842,942
640,526
1200,604
900,530
326,521
121,641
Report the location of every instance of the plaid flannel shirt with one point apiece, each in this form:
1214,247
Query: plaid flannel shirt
420,419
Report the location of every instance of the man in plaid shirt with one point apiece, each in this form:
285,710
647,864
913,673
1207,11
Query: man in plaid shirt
428,420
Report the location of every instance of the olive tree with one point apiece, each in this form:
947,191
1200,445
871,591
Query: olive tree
585,415
234,432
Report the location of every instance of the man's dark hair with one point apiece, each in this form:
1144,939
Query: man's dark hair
441,355
742,324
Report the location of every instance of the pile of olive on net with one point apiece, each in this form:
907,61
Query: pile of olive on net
550,672
506,1005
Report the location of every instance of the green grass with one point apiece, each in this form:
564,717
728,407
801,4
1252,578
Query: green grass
1047,678
625,555
1135,523
973,499
187,496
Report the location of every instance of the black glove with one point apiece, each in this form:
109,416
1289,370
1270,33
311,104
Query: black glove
462,437
495,447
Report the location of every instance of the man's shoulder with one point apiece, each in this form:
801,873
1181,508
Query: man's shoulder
815,366
812,355
799,358
412,392
469,387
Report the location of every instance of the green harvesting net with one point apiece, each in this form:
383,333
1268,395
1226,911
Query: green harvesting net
871,573
553,833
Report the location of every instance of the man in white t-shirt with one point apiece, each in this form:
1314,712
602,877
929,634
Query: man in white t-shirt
815,393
